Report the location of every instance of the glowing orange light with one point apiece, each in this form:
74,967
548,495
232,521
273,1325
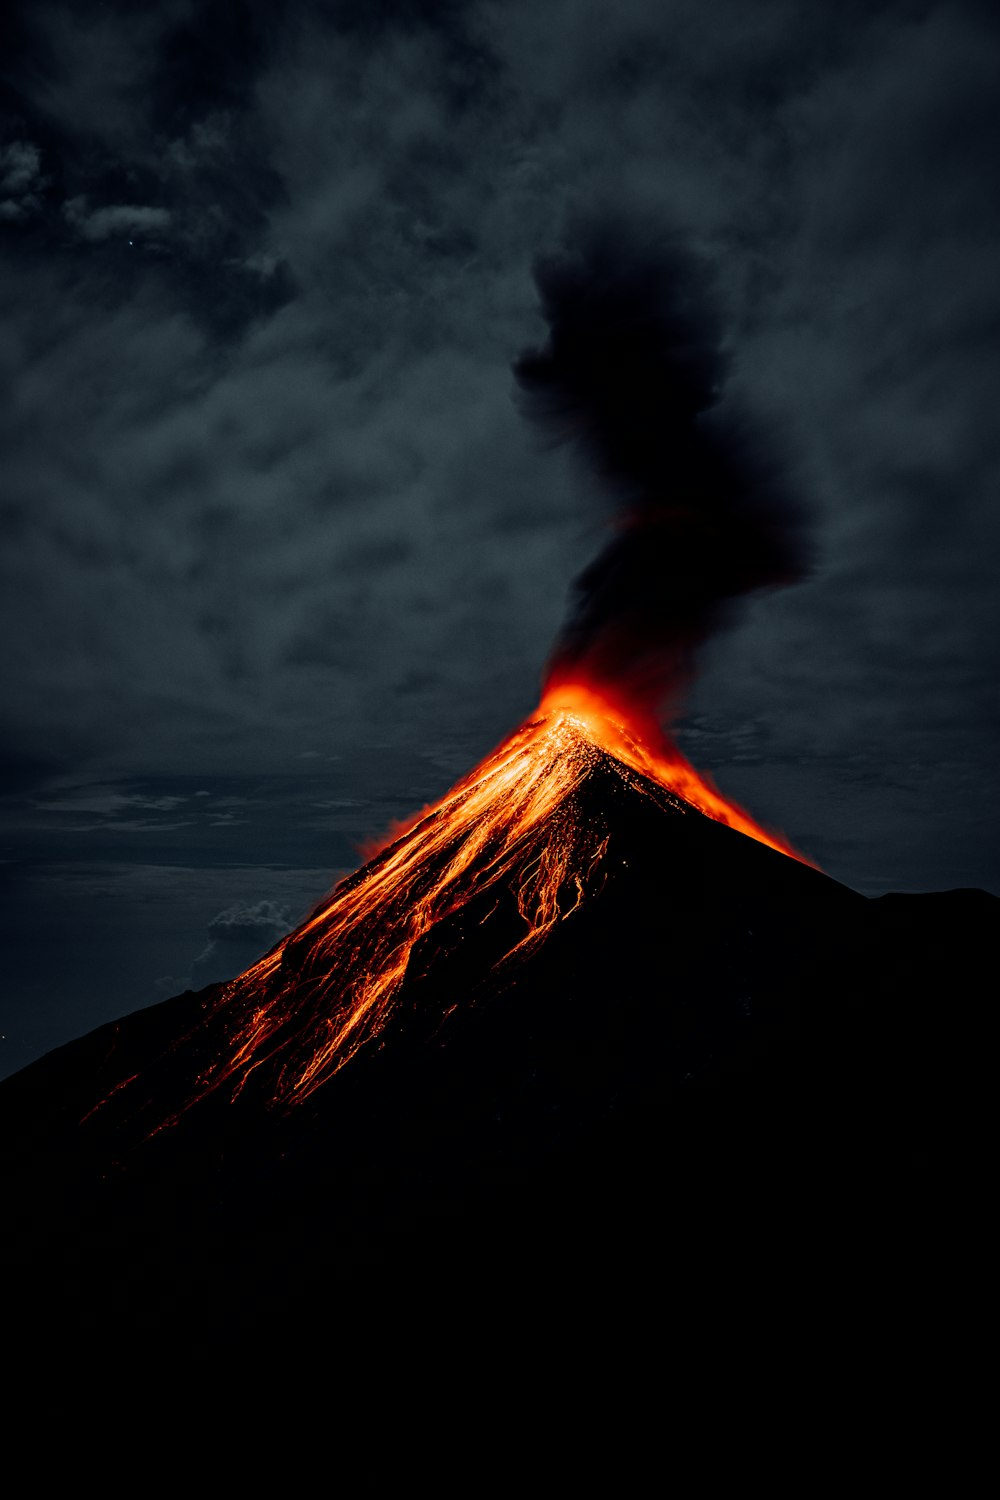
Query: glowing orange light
329,987
655,757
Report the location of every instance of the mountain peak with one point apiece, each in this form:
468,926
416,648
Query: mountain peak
571,803
563,993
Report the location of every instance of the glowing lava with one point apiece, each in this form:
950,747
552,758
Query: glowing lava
511,825
652,754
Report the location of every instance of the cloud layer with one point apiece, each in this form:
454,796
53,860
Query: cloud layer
265,489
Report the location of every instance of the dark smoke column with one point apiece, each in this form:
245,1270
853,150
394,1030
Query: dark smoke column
632,375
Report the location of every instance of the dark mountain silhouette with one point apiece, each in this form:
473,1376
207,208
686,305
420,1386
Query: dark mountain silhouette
718,1049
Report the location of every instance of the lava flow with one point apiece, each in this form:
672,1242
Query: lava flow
632,377
510,826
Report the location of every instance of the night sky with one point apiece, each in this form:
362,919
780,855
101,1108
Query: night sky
282,557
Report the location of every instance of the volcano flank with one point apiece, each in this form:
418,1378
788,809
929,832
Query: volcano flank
583,1011
565,1001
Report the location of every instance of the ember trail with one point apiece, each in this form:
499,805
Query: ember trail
510,825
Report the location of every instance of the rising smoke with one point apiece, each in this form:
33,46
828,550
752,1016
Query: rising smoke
633,376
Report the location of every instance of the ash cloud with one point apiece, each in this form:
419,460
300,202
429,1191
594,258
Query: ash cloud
633,377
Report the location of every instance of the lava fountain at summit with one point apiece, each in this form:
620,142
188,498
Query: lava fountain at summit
510,825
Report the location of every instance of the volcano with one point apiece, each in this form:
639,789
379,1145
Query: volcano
566,1001
582,1026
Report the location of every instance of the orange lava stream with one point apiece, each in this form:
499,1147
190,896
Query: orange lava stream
665,763
329,987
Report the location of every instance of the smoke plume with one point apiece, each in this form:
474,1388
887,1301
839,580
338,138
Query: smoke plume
633,376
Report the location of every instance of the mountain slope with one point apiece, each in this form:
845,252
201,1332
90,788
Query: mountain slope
612,1009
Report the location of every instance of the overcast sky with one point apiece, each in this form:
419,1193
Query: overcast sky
281,557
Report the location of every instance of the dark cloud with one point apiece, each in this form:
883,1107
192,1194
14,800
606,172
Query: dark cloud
262,922
21,181
150,144
130,221
237,937
21,773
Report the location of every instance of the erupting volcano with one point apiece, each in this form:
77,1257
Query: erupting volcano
514,826
633,376
582,966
